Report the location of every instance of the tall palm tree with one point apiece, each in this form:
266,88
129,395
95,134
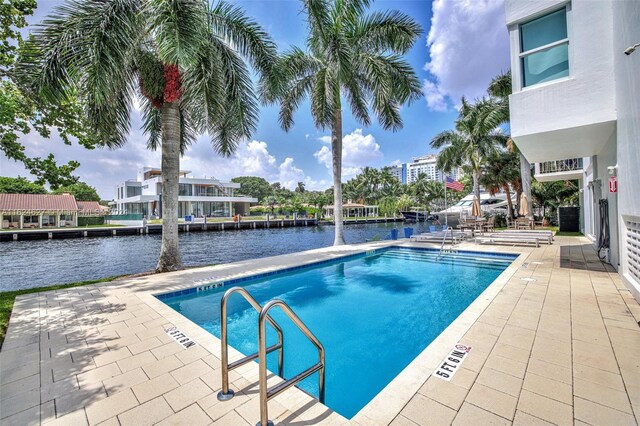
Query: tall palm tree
474,140
184,61
350,56
499,89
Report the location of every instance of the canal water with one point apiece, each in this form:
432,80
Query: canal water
26,264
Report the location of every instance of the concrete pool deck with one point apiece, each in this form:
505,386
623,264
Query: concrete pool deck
554,340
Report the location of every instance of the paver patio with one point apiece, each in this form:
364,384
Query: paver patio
556,341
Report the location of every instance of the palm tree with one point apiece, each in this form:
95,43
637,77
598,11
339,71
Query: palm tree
183,60
354,57
474,140
500,89
499,173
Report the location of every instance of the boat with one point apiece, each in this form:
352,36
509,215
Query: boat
491,204
414,216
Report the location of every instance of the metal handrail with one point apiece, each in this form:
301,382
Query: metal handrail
265,393
226,394
444,239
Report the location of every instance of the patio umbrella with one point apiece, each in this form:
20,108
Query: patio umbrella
524,205
475,209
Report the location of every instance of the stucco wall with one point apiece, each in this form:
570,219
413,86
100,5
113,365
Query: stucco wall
581,99
626,21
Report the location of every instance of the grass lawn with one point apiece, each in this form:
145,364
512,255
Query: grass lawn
8,297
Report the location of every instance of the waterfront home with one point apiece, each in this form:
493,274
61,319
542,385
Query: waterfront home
575,112
20,211
197,196
351,209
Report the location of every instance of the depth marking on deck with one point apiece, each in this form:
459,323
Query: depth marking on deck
180,337
452,362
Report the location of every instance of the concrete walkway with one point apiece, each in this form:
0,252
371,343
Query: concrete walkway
555,340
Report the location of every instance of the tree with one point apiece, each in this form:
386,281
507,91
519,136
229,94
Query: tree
500,89
354,57
499,172
473,141
21,111
20,185
81,191
184,60
300,188
253,186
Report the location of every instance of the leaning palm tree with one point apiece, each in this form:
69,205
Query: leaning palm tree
182,61
474,140
354,57
500,173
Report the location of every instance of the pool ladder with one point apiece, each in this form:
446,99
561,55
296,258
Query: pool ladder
444,239
265,393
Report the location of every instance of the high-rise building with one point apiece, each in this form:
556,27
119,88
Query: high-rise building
408,172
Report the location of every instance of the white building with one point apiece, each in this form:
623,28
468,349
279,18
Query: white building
197,196
427,165
575,109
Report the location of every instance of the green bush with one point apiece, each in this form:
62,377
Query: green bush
91,220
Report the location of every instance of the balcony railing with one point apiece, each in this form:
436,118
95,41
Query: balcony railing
557,166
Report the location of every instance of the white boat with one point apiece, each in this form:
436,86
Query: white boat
488,203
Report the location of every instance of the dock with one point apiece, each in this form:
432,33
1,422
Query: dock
114,231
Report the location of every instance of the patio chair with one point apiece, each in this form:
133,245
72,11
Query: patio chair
432,228
489,225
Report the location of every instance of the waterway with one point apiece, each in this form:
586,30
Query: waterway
26,264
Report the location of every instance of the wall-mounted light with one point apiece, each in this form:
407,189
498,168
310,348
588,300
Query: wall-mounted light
613,170
629,50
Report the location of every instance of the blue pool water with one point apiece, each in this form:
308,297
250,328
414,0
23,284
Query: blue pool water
373,313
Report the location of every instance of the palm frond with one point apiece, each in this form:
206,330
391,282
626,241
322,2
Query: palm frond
246,36
391,31
178,27
87,48
151,124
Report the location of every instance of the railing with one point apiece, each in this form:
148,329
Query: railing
265,392
225,394
557,166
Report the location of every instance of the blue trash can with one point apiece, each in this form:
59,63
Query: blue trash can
408,232
394,234
187,218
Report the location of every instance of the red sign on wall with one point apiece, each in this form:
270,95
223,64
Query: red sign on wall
613,184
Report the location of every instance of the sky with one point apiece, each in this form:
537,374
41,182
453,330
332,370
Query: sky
465,43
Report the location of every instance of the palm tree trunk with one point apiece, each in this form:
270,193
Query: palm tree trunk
169,252
336,154
507,192
476,183
525,174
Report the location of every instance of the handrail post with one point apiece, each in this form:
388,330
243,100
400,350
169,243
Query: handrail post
262,366
265,393
226,394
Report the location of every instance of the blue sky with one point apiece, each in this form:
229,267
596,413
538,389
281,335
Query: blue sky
464,44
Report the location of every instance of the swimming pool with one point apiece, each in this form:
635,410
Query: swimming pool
373,312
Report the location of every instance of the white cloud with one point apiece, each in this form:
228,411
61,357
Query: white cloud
358,151
395,163
468,45
289,175
325,139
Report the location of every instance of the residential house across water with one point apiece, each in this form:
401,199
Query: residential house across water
197,196
25,211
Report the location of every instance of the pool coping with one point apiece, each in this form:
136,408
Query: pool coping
388,403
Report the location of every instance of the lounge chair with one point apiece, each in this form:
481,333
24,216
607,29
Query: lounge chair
437,237
512,239
546,236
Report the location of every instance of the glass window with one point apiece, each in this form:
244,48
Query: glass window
544,48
